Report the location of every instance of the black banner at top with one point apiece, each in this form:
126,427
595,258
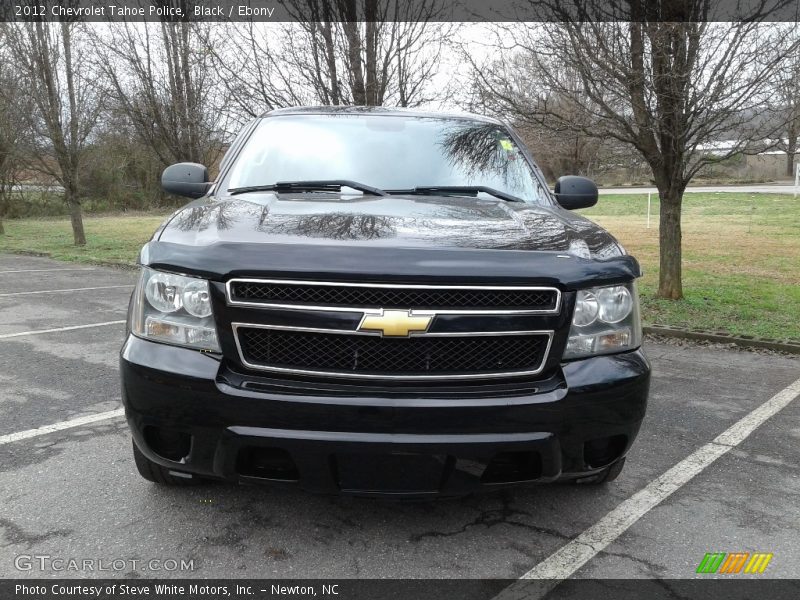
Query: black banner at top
400,10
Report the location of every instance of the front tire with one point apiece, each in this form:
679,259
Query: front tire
161,475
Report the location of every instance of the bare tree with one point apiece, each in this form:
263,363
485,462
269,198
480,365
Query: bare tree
787,100
53,61
13,102
664,83
340,52
252,59
162,78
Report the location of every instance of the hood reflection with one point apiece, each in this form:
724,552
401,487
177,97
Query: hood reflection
335,226
402,221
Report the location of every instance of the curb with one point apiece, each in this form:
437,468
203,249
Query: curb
123,265
790,346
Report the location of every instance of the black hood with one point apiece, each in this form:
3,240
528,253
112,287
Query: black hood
392,236
392,221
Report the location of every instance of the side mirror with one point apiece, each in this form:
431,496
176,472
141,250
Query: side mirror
186,179
575,192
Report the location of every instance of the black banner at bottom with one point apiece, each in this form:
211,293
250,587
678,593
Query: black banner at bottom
743,588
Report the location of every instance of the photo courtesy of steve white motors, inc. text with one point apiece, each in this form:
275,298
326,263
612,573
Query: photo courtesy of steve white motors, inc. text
169,589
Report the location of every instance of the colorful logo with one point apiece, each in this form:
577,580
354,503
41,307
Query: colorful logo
734,562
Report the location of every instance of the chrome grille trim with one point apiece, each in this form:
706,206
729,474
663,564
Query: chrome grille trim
344,375
353,309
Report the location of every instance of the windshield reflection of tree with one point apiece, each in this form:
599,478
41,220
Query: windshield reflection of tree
476,151
338,226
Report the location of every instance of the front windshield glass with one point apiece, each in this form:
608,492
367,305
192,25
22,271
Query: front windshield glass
388,152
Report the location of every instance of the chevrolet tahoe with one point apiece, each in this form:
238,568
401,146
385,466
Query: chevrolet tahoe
379,301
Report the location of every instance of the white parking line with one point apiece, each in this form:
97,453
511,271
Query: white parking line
45,270
573,555
102,287
32,433
57,329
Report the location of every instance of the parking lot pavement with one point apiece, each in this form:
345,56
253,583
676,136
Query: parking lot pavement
38,293
749,501
75,493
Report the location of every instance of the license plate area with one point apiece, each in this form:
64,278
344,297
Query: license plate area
394,472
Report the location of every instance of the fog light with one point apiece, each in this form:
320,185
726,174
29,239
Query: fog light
167,443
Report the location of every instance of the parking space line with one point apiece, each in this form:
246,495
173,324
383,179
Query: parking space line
102,287
32,433
45,270
576,553
4,336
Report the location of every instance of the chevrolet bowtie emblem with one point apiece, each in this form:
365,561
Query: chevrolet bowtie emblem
395,323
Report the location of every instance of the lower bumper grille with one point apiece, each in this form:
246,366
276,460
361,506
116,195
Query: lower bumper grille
405,358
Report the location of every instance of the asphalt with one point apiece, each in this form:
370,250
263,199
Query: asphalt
76,494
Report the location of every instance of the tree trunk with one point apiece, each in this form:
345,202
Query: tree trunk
330,59
69,158
790,161
352,34
75,215
371,53
669,276
4,191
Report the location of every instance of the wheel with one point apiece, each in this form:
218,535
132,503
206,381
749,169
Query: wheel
158,474
610,473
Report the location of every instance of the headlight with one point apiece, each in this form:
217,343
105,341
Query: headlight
614,303
174,309
161,291
605,320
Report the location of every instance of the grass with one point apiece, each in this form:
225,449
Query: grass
741,255
741,260
110,239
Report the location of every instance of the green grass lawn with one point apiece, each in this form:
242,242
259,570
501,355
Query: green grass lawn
741,260
110,239
741,255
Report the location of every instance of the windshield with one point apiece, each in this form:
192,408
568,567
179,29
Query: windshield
393,153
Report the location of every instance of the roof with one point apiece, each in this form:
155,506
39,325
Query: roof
385,111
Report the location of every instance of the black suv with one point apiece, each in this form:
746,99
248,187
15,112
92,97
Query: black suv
377,301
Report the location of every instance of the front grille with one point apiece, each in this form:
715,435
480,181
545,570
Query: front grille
373,356
354,296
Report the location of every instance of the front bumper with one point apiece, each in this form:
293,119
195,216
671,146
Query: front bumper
190,412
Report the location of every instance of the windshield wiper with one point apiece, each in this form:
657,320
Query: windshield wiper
324,185
460,190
